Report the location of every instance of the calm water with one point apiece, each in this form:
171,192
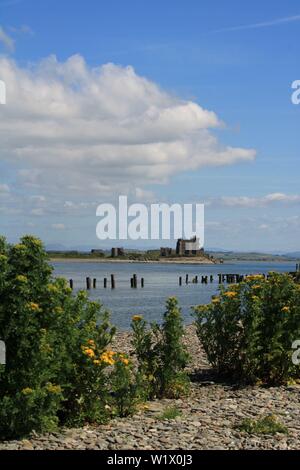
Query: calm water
161,281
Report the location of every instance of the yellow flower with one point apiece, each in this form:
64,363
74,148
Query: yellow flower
216,300
37,242
88,352
137,318
285,309
107,357
55,389
254,277
257,286
230,294
97,362
124,360
21,278
27,391
33,306
52,288
20,247
91,342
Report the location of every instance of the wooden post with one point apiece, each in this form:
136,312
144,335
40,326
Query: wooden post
88,283
211,278
180,281
94,283
131,282
186,278
142,282
112,278
196,280
71,284
135,281
105,283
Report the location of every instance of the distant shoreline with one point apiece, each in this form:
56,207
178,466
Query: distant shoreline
103,260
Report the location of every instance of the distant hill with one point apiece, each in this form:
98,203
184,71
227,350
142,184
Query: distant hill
254,256
295,254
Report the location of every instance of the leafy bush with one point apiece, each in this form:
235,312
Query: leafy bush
248,330
170,413
266,425
161,354
54,342
123,387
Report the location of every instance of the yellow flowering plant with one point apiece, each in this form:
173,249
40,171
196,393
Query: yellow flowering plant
161,354
248,336
48,379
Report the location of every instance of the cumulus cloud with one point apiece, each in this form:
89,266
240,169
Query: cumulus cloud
253,202
72,128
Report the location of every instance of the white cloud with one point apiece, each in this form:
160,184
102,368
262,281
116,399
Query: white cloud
72,128
6,40
253,202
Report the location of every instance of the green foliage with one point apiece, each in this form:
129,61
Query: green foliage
265,425
161,354
248,330
52,340
170,413
123,387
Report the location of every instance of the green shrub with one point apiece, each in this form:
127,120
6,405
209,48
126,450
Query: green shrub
161,354
248,330
123,386
170,413
54,342
265,425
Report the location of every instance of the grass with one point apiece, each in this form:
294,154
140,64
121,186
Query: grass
266,425
170,413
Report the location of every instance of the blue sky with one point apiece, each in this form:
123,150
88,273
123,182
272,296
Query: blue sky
234,59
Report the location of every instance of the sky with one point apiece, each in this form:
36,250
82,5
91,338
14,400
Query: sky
176,102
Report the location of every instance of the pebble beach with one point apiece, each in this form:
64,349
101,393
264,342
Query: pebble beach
207,419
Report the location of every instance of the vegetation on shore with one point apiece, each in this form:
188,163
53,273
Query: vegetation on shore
60,369
248,331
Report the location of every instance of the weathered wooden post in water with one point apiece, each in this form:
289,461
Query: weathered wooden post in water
112,278
88,283
94,283
180,281
71,284
135,281
105,283
142,282
211,278
186,278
